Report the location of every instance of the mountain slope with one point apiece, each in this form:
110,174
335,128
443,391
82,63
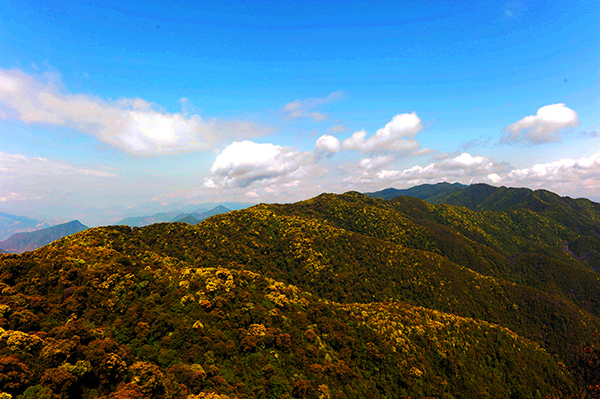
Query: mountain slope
114,319
337,296
12,224
189,219
578,219
22,242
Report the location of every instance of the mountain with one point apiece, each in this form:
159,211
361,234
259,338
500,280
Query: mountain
141,221
217,210
11,224
22,242
338,296
581,216
195,217
428,192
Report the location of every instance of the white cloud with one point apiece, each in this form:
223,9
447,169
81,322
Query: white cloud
543,127
20,166
327,145
133,125
33,178
337,129
580,172
372,163
463,167
243,163
464,160
573,177
397,136
10,196
494,178
300,108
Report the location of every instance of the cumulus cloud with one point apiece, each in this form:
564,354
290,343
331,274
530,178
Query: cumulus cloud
397,136
302,108
543,127
568,176
133,125
243,163
494,178
581,172
373,163
327,145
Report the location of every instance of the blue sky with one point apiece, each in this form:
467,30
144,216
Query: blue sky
125,103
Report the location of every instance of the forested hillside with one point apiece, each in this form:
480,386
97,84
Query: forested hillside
339,296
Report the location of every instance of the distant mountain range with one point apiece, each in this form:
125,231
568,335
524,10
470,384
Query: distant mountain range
11,224
22,242
483,197
195,218
141,221
431,193
191,218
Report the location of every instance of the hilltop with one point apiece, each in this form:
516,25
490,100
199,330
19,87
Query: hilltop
339,296
22,242
12,224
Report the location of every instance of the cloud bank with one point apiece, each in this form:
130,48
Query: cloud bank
578,173
463,167
132,125
33,178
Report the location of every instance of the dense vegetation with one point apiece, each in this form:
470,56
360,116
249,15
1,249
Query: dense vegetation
339,296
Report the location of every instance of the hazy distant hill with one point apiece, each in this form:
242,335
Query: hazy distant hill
11,224
195,218
340,296
200,212
190,218
140,221
22,242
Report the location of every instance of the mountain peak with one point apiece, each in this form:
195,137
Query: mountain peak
22,242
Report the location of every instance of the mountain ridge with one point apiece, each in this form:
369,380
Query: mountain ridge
29,241
341,295
11,224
